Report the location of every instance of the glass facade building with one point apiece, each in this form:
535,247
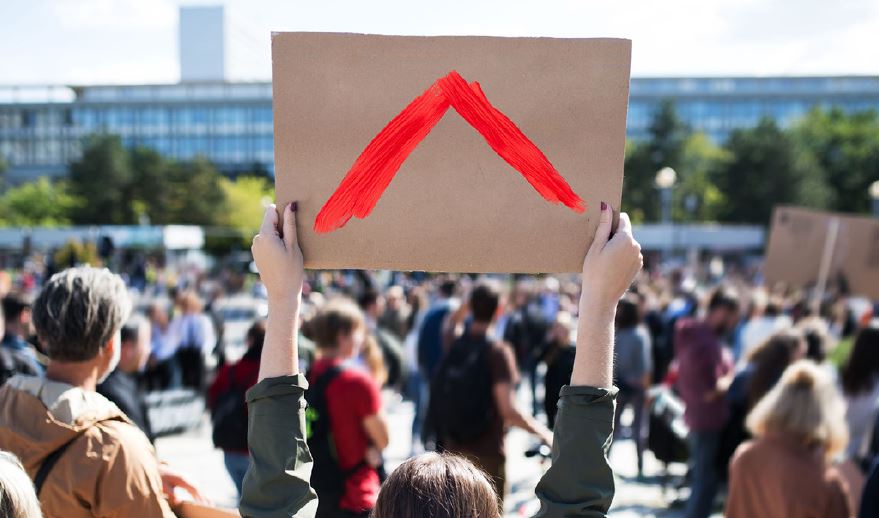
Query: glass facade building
42,129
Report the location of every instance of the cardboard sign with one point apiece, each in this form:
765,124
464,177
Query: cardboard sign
466,154
798,240
194,510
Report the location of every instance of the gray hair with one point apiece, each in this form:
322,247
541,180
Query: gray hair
17,496
79,311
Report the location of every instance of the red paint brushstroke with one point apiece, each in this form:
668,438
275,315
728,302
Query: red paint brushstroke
376,166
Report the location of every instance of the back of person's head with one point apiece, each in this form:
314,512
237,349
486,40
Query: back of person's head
190,302
17,496
817,337
79,311
13,306
628,312
131,329
336,318
861,373
484,301
447,288
724,298
774,307
368,298
436,485
256,335
806,407
769,361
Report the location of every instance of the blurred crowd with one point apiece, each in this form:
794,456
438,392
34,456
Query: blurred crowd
770,396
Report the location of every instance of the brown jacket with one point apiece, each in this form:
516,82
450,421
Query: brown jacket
110,470
775,476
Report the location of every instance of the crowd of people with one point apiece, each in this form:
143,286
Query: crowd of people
779,389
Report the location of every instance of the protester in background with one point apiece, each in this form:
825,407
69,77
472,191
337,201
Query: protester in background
818,343
579,481
347,441
17,322
78,317
164,368
704,373
763,367
766,319
195,338
786,470
226,400
396,314
526,330
17,497
122,386
559,358
860,384
633,370
383,352
14,362
472,397
429,350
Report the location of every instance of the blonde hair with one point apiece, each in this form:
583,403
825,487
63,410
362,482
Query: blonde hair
805,405
17,496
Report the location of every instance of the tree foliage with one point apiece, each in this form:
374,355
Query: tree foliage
104,178
38,203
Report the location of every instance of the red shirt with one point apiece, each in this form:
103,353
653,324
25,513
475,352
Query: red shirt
351,397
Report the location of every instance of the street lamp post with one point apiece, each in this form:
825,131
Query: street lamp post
665,180
874,195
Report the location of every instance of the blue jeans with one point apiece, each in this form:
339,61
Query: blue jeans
236,465
703,473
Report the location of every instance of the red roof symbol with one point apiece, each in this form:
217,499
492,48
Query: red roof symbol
376,166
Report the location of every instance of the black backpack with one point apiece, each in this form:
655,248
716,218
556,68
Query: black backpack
461,400
229,417
327,478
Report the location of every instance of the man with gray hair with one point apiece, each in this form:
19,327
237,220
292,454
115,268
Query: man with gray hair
85,456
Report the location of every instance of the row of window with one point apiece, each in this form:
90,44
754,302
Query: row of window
111,118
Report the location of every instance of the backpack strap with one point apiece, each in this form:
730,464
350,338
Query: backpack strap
49,463
320,387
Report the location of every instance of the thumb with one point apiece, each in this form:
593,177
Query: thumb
602,233
291,239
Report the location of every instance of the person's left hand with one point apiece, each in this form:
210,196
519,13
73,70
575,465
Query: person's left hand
278,256
171,480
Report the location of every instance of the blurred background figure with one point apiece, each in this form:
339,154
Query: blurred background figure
559,359
787,470
227,403
17,356
122,386
164,370
195,338
633,368
860,384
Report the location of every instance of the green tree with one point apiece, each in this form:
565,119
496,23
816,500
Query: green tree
763,171
845,148
38,203
244,210
103,177
696,197
663,148
147,190
4,166
193,194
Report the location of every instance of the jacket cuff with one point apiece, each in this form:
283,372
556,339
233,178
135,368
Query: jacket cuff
294,385
588,402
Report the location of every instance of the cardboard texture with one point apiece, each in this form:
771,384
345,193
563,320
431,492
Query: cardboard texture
454,204
194,510
796,245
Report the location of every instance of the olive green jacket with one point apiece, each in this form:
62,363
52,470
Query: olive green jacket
579,482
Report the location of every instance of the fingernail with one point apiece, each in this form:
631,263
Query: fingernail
294,206
603,206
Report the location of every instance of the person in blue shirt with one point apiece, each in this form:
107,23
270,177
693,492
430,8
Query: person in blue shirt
17,320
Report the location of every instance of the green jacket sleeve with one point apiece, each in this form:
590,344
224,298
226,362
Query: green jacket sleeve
276,484
580,481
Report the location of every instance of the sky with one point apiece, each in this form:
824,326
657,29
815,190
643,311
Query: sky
135,41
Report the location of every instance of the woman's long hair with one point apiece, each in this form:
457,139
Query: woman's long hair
805,406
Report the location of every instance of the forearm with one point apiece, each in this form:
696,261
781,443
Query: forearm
527,423
593,362
280,354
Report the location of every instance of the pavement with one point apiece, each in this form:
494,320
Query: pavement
192,453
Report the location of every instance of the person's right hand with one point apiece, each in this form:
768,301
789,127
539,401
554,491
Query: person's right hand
611,263
278,257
